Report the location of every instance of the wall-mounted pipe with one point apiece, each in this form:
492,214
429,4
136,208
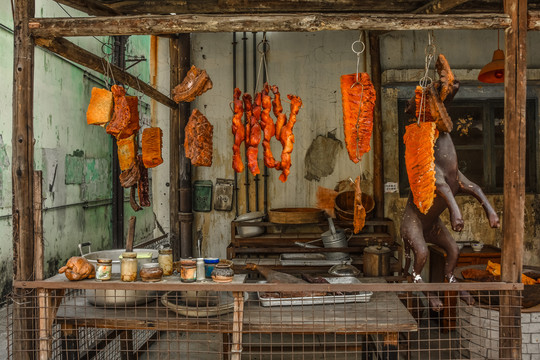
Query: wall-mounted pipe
244,42
265,174
256,180
234,86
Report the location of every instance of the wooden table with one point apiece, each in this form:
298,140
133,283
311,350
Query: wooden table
383,316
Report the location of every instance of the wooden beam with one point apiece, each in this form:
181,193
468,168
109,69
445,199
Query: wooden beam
173,24
91,7
87,59
22,177
515,83
439,6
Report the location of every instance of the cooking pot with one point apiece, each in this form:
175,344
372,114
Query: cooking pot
377,260
102,297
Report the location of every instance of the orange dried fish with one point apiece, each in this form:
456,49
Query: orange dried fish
359,211
420,162
358,102
100,108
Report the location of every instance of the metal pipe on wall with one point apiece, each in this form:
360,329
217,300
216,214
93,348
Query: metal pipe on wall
234,86
244,41
265,174
256,180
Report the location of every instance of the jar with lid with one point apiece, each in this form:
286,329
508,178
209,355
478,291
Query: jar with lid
128,266
188,270
104,269
151,272
209,264
200,269
165,260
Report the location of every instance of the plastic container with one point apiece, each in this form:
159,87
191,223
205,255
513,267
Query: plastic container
209,264
104,269
151,272
165,260
128,267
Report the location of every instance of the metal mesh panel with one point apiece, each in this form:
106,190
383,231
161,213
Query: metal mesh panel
206,321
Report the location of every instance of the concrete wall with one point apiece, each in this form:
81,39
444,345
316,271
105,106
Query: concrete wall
75,158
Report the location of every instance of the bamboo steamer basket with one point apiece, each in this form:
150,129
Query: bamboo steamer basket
295,215
344,205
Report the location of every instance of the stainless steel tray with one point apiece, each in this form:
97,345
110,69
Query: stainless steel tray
308,259
362,296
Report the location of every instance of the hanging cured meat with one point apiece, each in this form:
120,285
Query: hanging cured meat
121,114
198,142
238,131
359,219
194,84
420,162
151,147
132,126
281,118
126,152
130,176
143,186
423,110
358,101
446,77
286,138
248,109
438,110
100,108
268,127
252,142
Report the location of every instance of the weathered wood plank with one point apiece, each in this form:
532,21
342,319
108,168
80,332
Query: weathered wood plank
515,83
533,22
91,7
439,6
83,57
172,24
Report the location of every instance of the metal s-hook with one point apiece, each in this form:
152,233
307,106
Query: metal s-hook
362,49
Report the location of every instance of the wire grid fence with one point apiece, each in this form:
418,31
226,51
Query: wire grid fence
263,324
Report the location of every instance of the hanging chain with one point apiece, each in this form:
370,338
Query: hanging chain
263,47
358,82
425,81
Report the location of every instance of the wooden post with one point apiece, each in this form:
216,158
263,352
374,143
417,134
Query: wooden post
514,176
238,322
22,177
378,157
174,141
185,215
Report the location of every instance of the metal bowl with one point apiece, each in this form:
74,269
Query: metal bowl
250,231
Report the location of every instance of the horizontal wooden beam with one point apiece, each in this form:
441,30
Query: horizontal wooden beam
439,6
85,58
173,24
91,7
533,20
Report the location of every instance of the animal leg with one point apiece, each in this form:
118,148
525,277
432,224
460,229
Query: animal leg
443,190
468,187
440,236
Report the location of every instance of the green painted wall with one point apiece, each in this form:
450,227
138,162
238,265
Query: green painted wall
75,158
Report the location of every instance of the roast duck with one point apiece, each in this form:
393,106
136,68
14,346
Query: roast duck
432,117
78,268
259,125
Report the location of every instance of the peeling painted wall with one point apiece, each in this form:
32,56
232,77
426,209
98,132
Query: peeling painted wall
75,158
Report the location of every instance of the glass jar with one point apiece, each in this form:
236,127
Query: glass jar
151,272
209,264
104,269
200,269
188,270
128,266
165,260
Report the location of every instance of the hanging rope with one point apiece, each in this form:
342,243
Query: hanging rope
425,81
358,82
262,47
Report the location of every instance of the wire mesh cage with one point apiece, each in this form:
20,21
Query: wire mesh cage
360,320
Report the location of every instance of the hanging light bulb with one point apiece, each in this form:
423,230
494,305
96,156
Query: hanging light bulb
493,72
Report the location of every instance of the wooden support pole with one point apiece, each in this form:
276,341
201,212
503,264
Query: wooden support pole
174,151
22,178
515,76
300,22
87,59
186,214
378,155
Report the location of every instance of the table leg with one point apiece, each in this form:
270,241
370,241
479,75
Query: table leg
238,321
48,306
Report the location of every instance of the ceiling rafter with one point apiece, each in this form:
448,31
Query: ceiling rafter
91,7
439,6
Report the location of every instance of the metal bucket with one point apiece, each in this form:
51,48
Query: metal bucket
377,261
335,238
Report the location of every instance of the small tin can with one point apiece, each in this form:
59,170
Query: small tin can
104,269
188,270
165,260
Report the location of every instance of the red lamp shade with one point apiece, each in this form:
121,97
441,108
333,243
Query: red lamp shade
493,72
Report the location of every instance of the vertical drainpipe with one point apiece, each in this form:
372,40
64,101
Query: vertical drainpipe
234,86
119,59
244,41
186,214
254,94
265,176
